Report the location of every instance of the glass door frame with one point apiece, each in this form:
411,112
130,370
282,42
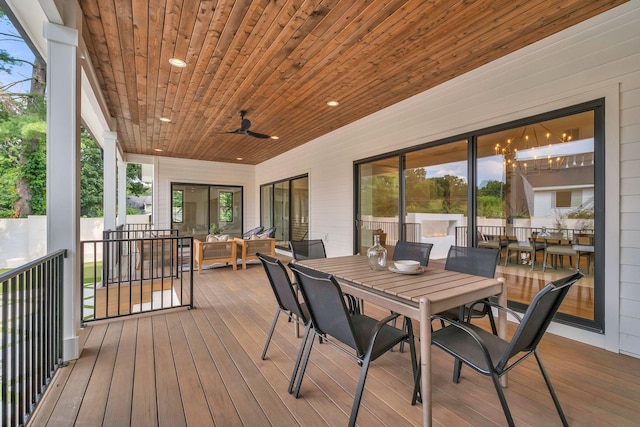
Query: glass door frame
597,106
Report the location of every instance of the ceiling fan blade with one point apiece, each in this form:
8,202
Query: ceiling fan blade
258,135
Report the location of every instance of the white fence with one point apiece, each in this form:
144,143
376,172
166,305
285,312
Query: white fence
25,239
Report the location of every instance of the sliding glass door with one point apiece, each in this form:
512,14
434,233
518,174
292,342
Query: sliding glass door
378,208
285,205
198,209
532,189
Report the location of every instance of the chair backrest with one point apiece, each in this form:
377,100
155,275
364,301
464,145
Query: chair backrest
476,261
537,318
307,249
247,234
415,251
281,285
326,305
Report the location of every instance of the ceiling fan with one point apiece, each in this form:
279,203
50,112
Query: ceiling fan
245,124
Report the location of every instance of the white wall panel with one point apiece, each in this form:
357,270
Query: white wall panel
202,172
599,58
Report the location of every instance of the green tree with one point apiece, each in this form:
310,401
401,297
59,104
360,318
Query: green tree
91,177
23,136
135,185
492,188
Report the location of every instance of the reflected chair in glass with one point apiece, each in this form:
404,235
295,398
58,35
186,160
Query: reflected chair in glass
288,304
362,337
490,355
557,248
531,246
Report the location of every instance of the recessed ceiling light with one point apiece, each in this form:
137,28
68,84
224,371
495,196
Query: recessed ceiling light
157,149
333,103
177,62
165,119
239,158
275,137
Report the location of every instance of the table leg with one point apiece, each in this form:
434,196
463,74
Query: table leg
425,359
502,320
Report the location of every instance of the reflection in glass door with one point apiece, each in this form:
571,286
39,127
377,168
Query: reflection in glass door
198,209
285,205
378,206
281,210
436,188
536,203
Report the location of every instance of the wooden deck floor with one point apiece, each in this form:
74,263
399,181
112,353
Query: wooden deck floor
202,367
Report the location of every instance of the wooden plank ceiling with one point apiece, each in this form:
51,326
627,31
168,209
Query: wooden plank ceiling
283,60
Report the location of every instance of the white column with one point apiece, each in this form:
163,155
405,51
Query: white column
109,175
63,170
122,193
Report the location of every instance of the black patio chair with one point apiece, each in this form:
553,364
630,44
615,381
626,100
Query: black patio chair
314,249
366,338
307,249
479,262
490,355
415,251
288,304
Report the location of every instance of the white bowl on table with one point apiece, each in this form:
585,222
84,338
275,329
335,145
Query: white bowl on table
406,265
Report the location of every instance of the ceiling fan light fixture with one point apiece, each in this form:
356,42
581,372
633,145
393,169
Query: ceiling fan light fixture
333,103
177,62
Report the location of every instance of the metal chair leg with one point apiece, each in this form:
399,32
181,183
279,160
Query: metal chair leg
299,358
296,392
273,327
556,402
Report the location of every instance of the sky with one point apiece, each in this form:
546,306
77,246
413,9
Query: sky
17,49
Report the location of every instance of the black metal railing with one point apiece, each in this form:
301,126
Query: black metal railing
519,233
128,276
31,334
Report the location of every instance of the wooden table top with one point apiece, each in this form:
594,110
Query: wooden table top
444,289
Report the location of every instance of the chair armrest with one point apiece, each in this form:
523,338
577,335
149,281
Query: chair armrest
499,307
471,333
378,327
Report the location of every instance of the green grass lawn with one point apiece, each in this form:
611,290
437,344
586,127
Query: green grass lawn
88,272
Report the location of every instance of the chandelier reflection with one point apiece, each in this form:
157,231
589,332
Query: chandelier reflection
549,153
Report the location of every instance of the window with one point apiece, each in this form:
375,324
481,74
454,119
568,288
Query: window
225,206
285,206
200,209
177,198
535,181
563,199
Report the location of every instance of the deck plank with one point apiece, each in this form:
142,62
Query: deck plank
144,408
118,411
203,367
94,404
165,352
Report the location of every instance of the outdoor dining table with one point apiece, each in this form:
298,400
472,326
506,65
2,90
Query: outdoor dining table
416,296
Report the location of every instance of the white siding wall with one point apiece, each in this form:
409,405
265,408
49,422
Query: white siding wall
595,59
168,170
